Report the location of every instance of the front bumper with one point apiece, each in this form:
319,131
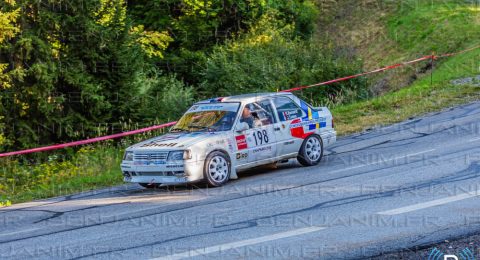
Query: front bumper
168,174
167,180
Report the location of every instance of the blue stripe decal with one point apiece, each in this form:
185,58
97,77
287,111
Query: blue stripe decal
305,109
315,115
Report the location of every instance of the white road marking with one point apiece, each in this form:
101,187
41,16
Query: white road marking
242,243
474,140
430,204
382,161
19,232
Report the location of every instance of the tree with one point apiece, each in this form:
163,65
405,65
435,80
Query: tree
72,68
196,26
8,30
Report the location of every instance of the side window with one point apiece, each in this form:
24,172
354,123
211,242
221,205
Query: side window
287,109
258,114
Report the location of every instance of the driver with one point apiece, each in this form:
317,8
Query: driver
247,117
250,118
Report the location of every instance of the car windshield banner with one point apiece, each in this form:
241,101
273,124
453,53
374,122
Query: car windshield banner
231,107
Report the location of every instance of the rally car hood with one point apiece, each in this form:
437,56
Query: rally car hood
172,141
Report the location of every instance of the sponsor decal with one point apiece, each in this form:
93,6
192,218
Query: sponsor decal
313,122
241,142
262,149
159,144
163,140
290,115
303,127
214,107
313,117
168,137
242,156
210,107
289,143
230,145
218,142
297,130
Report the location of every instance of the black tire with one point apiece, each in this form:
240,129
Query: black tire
150,186
308,154
219,163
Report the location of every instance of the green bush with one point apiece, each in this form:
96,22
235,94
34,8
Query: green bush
163,98
271,58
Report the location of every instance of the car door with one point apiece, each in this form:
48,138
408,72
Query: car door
287,112
257,145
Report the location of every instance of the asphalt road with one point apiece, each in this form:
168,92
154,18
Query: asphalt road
410,184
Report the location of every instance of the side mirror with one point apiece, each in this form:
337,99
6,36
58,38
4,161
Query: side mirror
242,126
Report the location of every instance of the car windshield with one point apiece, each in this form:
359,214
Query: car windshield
208,117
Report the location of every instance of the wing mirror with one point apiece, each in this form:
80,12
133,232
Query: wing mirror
241,127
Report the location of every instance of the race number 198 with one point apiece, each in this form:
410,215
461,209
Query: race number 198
261,137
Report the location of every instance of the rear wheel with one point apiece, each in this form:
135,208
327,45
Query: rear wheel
217,169
311,152
150,186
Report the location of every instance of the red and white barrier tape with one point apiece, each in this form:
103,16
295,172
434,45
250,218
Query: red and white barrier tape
359,75
143,130
88,141
456,53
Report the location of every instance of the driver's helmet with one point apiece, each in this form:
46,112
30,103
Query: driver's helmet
251,107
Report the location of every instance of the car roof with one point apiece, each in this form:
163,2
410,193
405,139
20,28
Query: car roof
246,97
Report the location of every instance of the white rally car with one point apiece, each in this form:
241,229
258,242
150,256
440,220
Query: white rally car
216,138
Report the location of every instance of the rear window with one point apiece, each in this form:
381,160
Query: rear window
287,109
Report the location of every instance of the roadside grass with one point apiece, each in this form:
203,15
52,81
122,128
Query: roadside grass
401,31
64,172
386,32
439,25
420,98
90,167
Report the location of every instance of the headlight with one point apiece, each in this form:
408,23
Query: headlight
187,154
175,156
128,156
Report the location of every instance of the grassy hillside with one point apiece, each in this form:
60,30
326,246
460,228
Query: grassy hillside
417,99
385,32
379,32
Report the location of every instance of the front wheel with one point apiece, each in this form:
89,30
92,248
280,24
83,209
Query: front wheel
217,169
311,152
